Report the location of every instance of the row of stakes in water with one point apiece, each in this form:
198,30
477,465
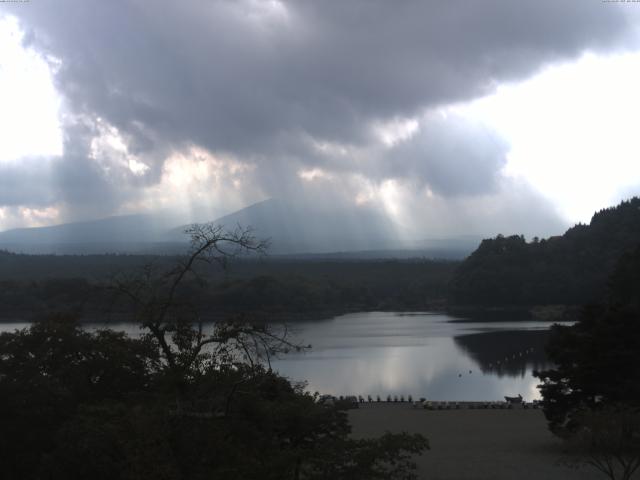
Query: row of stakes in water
508,358
433,405
370,399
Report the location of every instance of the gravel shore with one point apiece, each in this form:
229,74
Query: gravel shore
474,444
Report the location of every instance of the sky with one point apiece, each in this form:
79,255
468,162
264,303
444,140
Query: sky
451,118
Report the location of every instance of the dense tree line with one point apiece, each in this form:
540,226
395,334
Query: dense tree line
568,269
269,287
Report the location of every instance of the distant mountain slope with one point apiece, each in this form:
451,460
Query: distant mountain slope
122,233
568,269
302,228
293,228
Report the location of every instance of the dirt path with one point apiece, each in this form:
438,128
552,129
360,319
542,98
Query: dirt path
474,444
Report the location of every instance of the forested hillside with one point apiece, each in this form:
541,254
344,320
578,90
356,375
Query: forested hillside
32,285
568,269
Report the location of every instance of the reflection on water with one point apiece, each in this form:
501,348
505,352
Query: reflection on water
418,354
512,353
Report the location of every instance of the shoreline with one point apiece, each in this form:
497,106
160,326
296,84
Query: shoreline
458,314
507,313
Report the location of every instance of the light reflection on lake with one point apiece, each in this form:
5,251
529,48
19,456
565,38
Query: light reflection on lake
418,354
421,354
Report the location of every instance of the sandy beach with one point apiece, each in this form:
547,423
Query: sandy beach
474,444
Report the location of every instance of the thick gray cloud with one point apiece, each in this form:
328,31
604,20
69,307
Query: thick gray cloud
240,75
263,80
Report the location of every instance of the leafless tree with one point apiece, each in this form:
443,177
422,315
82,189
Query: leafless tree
175,322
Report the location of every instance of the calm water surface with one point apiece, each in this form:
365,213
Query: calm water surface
420,354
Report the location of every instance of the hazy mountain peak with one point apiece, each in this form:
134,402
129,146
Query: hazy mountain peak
297,227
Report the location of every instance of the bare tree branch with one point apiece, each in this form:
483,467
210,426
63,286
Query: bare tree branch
176,325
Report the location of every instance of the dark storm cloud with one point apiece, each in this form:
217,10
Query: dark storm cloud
238,75
257,78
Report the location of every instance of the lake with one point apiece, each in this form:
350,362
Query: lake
422,354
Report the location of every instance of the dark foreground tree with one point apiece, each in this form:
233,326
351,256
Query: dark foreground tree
49,372
592,396
177,403
596,364
608,439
